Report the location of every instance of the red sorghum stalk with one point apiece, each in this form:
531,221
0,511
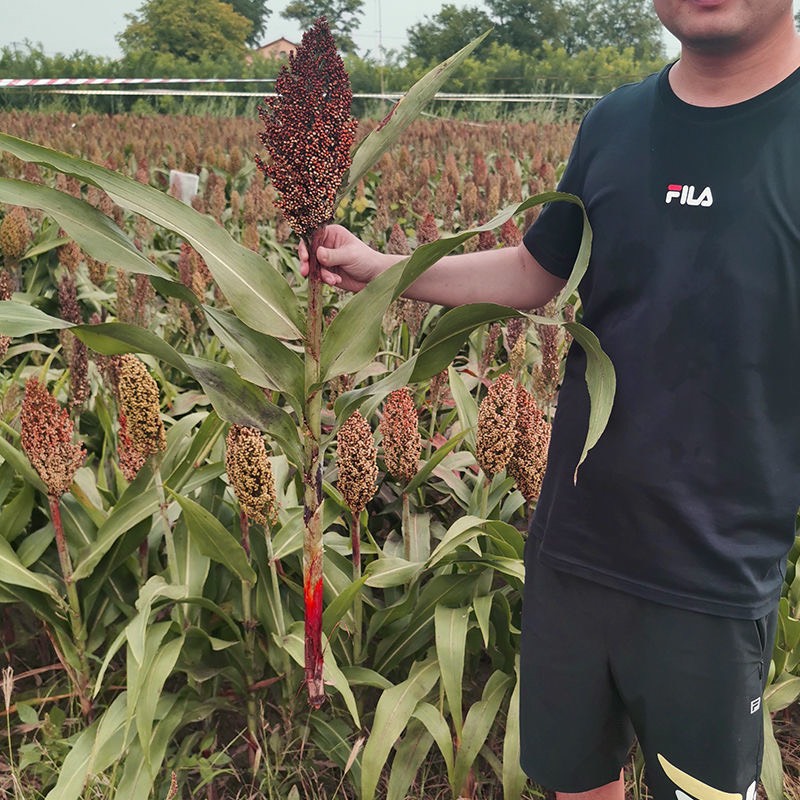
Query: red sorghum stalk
308,133
46,432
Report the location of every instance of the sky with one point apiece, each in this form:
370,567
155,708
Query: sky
63,26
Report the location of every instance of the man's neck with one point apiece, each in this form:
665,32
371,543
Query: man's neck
705,78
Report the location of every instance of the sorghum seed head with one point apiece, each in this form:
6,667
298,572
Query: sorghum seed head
357,462
130,459
427,230
46,433
250,473
139,402
15,235
402,443
497,417
308,131
529,459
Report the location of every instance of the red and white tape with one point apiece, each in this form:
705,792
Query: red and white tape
20,82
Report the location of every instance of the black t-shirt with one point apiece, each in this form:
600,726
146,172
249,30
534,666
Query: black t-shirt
693,289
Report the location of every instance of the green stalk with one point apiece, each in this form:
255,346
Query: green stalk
406,527
76,622
169,542
358,610
249,649
312,482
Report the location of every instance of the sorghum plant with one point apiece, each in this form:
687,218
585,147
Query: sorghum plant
308,133
46,432
497,418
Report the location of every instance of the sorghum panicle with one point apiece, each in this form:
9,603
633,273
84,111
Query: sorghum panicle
130,459
308,131
5,294
46,433
497,417
357,462
250,473
139,401
402,443
529,459
15,235
489,347
427,230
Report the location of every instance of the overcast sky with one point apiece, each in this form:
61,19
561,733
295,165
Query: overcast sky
63,26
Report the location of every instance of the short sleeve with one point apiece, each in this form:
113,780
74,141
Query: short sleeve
554,238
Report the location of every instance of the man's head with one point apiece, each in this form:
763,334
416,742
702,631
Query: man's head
724,26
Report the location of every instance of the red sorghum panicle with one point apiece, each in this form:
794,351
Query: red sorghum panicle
510,234
250,473
308,131
427,230
489,348
402,443
69,256
5,294
398,242
357,462
46,433
529,459
546,375
139,401
497,417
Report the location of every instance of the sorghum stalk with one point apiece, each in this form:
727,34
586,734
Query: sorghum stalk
249,646
312,485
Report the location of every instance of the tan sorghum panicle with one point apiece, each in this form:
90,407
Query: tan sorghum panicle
357,462
5,294
497,418
438,387
143,296
139,402
15,235
546,375
529,459
469,204
515,327
489,348
250,473
69,256
123,293
412,312
46,434
97,270
402,443
250,236
398,242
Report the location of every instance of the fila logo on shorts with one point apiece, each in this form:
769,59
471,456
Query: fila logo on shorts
686,196
690,788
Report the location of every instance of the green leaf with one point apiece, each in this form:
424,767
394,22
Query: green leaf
434,721
17,514
411,753
74,771
259,295
436,458
20,319
394,709
782,694
138,502
115,338
451,643
340,605
480,719
335,740
463,530
465,405
90,228
13,573
601,380
241,402
348,402
261,359
386,572
441,346
404,112
213,540
514,778
772,765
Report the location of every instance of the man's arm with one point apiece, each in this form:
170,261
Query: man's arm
509,276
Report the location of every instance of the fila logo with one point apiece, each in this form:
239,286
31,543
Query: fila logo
685,195
755,705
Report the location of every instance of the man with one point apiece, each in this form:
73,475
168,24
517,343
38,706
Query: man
652,583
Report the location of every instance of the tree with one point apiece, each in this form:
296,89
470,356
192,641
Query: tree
614,23
439,36
190,29
527,24
342,15
258,14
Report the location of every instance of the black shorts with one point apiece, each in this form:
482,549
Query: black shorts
600,667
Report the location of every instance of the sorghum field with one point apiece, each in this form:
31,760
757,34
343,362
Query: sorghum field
152,552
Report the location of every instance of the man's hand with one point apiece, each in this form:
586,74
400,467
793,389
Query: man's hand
345,261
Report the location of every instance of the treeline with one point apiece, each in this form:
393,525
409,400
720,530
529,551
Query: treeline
497,68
